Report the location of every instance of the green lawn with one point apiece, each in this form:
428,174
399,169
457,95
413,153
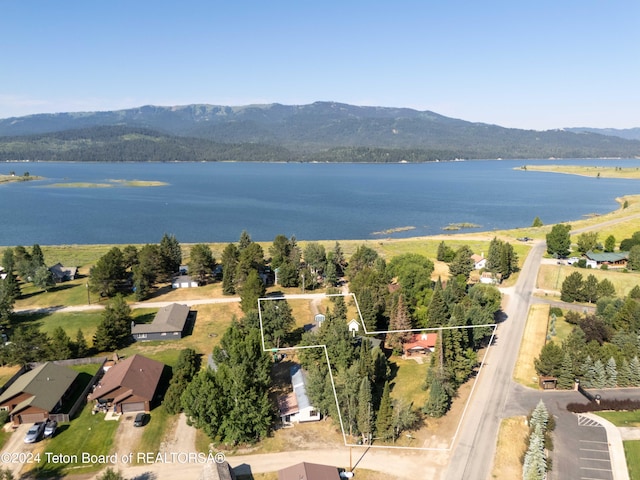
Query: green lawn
632,453
86,433
408,381
622,419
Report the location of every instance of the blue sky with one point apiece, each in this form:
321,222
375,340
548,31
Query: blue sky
520,64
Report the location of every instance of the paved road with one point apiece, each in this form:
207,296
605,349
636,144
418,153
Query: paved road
475,448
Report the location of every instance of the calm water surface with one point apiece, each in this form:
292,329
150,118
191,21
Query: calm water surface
214,202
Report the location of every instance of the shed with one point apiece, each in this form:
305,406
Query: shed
184,281
547,383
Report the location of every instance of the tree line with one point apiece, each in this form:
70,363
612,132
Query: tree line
602,349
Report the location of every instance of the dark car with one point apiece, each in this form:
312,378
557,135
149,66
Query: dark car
140,420
50,428
34,433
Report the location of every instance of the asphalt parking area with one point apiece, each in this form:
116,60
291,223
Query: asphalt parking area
593,455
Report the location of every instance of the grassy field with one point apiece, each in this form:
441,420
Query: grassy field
512,443
532,342
550,277
86,433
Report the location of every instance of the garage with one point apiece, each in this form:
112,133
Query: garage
32,417
133,407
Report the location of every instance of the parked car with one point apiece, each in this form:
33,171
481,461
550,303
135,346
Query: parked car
50,428
140,420
34,433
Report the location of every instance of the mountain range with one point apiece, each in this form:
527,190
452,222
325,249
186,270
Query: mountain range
322,131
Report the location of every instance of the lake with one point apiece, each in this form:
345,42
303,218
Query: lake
214,202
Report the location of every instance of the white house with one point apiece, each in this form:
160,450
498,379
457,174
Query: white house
354,327
479,262
296,406
488,278
183,281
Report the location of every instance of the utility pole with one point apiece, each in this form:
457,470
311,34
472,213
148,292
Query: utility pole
88,294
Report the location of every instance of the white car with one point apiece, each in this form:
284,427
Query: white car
34,433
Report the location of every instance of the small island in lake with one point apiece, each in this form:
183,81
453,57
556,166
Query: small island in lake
12,177
112,183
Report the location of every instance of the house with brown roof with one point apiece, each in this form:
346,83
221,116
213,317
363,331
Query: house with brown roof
169,324
309,471
479,262
420,343
129,386
38,393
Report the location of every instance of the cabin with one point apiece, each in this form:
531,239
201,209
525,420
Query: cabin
38,393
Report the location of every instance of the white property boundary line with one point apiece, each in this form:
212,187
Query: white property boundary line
333,386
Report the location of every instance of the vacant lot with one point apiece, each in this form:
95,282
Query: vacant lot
532,342
512,443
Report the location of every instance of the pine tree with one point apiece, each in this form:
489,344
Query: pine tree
438,313
229,264
384,419
634,366
624,375
400,320
586,370
365,409
598,375
611,373
540,416
439,401
80,346
566,378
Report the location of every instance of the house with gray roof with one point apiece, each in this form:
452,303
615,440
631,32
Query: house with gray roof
296,406
169,324
63,274
38,393
130,385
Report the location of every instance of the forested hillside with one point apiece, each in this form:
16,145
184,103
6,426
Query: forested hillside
323,131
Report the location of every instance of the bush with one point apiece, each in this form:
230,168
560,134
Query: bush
605,404
557,311
4,416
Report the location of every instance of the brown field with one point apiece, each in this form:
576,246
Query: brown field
512,443
532,342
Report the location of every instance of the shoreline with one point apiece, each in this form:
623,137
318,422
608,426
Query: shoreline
487,235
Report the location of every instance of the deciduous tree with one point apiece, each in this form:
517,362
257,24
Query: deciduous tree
559,240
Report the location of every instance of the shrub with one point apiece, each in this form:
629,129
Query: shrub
605,404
